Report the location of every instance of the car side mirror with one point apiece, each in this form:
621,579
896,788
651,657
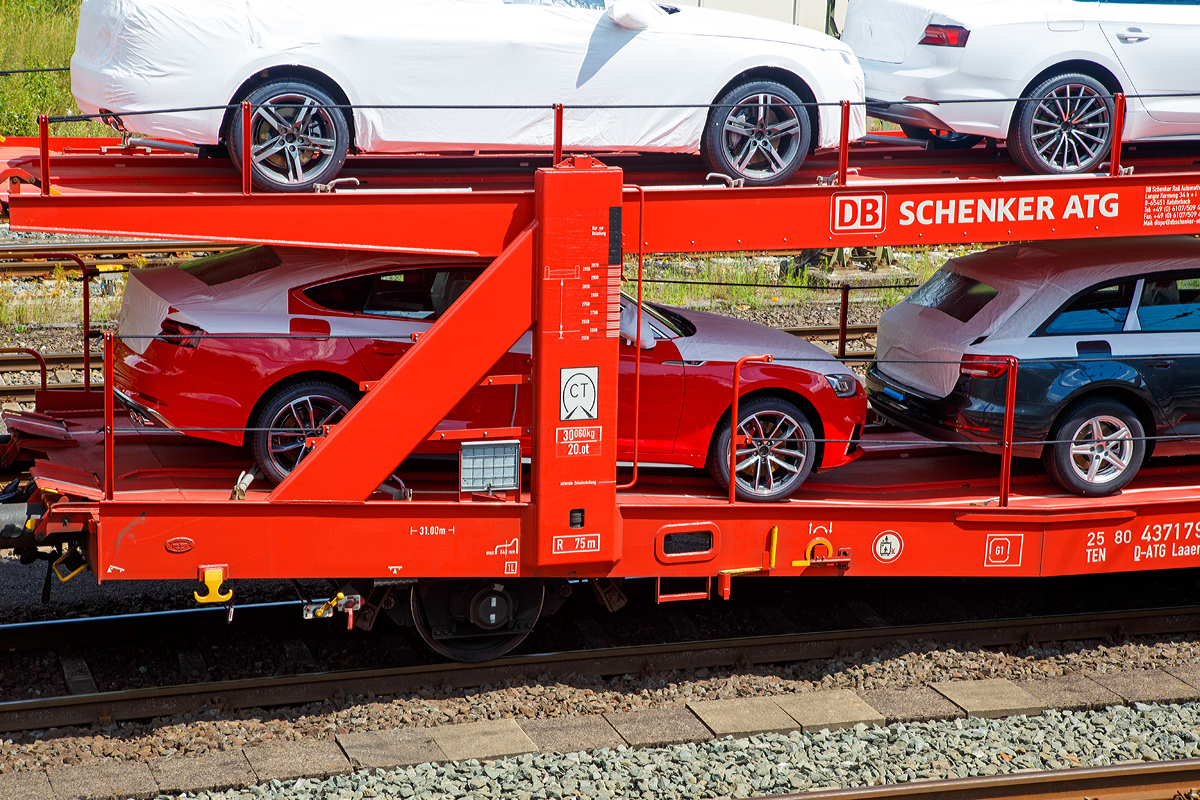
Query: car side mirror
633,14
628,328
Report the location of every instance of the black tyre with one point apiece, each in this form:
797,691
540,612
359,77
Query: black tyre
1065,127
759,132
1100,449
780,456
291,414
942,140
296,138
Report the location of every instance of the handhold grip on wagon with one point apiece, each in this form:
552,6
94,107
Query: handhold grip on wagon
212,577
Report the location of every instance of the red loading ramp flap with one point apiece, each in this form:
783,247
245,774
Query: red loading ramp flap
35,424
66,480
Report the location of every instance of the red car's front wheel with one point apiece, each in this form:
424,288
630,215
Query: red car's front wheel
778,458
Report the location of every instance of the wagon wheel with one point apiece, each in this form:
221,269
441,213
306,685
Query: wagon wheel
475,620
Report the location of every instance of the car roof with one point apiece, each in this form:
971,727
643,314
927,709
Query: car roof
1049,274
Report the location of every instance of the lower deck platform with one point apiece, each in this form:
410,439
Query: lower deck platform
892,512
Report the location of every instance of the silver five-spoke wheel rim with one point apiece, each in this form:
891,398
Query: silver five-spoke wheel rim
1101,449
1071,127
776,454
299,419
761,135
292,137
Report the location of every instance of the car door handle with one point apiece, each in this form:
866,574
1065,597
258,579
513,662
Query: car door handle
1160,363
386,350
1132,35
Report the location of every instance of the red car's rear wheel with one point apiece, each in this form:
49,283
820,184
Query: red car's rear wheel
288,416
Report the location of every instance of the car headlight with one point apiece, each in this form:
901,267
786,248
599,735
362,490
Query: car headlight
843,385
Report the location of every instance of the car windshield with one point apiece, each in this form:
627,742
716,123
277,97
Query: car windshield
226,267
954,295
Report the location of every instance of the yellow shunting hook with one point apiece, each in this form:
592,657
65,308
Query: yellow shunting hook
213,577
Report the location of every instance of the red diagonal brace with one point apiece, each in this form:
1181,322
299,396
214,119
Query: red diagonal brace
422,387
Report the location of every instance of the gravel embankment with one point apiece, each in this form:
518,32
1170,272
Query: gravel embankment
777,764
900,665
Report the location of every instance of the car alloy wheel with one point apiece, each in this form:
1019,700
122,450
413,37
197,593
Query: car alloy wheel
1096,447
758,132
296,139
1101,449
1066,126
776,459
289,418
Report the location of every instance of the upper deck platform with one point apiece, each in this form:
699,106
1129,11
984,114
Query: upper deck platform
890,194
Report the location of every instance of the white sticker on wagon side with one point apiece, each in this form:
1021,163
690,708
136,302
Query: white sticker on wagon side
1003,550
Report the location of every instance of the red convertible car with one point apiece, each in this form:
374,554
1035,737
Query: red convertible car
305,327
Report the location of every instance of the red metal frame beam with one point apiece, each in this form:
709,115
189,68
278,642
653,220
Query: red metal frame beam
420,390
866,213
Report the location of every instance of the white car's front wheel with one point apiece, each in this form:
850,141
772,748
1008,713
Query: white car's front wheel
1065,127
759,132
297,136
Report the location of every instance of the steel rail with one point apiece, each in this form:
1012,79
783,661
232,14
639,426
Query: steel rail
87,709
1156,780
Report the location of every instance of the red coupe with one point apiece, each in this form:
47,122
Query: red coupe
306,327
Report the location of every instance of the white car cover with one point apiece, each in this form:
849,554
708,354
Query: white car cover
1032,281
152,295
150,55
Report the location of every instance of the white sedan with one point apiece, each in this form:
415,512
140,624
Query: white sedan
303,63
1069,57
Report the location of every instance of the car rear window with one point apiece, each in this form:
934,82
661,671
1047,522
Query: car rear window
226,267
1101,309
954,295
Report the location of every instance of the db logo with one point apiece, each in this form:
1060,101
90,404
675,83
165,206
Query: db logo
859,213
1003,550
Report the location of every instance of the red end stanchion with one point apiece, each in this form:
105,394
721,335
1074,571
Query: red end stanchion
844,145
843,316
1010,414
247,160
637,368
44,152
87,314
733,420
1118,129
109,438
558,134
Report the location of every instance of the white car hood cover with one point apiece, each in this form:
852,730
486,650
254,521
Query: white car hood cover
1033,282
721,338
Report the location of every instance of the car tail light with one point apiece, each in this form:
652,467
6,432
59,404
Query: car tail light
945,36
178,333
983,366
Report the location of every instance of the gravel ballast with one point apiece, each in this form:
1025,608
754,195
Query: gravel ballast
778,764
903,664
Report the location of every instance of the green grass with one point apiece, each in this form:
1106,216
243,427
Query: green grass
36,34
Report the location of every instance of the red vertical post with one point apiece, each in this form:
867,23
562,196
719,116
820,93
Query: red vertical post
637,364
844,145
576,338
558,134
247,160
1010,414
109,438
87,328
733,421
843,317
44,152
1118,130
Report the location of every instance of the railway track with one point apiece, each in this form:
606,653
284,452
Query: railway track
1161,780
30,261
87,706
